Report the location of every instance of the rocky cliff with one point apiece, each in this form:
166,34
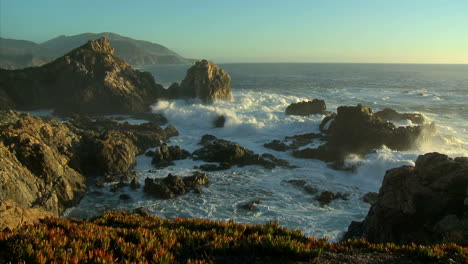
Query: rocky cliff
89,79
45,163
424,204
204,80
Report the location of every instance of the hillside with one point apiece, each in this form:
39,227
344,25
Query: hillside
15,54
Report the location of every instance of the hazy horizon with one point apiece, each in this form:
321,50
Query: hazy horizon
362,31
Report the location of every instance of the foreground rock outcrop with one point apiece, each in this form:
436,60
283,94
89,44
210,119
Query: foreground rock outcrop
356,130
204,80
13,215
424,204
392,115
45,163
305,108
89,79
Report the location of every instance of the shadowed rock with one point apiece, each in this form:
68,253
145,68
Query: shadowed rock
424,204
305,108
230,153
165,155
173,186
392,115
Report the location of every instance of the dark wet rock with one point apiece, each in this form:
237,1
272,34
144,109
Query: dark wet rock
370,197
355,130
219,121
310,189
171,131
355,231
326,122
297,183
151,117
305,108
423,204
251,205
223,151
344,166
100,183
125,197
392,115
135,184
173,186
276,145
204,80
214,167
89,79
326,197
165,155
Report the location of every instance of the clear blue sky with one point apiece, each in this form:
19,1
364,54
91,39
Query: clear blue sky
406,31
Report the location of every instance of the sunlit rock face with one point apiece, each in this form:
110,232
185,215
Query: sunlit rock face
206,81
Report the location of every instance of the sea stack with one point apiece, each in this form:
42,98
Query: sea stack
206,81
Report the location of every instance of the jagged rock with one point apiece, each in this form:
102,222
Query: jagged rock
89,79
165,155
326,122
301,184
12,215
292,142
326,197
116,153
38,167
422,204
173,186
214,167
370,197
305,108
251,205
125,197
230,153
219,121
355,130
150,153
392,115
171,131
204,80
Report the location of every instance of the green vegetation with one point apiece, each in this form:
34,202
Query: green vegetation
120,237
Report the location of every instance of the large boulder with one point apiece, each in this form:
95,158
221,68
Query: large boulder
422,204
356,130
392,115
165,155
204,80
89,79
230,153
305,108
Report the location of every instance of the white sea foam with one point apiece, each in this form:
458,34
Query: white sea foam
256,117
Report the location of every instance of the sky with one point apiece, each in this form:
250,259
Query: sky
359,31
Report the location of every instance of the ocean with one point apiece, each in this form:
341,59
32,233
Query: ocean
256,116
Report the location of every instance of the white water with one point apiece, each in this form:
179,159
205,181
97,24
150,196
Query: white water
255,117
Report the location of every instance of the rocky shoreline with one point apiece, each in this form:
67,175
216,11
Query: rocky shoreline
46,164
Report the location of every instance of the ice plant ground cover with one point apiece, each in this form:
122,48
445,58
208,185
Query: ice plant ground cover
121,237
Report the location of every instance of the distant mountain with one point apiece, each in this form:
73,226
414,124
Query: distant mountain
16,54
20,53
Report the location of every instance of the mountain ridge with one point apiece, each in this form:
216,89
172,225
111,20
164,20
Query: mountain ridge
16,54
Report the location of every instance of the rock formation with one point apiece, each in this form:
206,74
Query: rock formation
392,115
229,153
356,130
305,108
12,215
425,204
44,163
204,80
89,79
173,186
165,155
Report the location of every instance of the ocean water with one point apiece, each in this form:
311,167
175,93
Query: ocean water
256,116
